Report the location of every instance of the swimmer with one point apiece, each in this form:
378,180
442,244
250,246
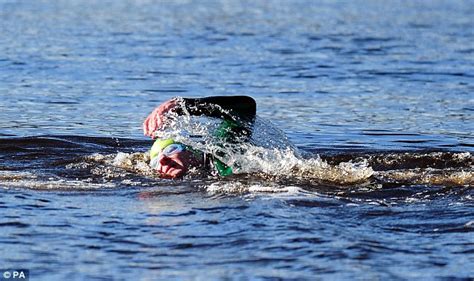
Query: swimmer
173,159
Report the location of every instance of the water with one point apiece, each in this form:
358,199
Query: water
376,96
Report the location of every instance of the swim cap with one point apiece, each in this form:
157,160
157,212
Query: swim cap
159,145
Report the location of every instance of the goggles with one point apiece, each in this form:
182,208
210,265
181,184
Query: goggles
173,149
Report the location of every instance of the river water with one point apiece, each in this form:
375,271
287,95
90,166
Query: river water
377,97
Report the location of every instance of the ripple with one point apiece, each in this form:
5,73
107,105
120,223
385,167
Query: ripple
14,224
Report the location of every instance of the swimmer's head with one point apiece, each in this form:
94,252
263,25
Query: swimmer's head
174,160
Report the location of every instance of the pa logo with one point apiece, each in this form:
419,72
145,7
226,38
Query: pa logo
17,274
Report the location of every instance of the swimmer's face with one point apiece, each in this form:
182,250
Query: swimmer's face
174,161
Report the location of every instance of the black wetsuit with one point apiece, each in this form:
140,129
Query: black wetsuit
237,112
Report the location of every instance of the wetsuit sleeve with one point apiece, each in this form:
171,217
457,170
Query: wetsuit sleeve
237,112
236,108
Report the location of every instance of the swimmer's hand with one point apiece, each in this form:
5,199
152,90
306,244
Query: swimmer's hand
157,119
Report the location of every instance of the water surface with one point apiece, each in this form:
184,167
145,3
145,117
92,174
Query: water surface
377,97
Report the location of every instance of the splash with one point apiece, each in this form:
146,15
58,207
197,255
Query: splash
269,152
199,132
287,164
117,165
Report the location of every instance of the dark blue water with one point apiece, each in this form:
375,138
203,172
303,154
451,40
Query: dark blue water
378,96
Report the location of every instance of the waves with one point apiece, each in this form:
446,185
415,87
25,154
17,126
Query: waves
88,163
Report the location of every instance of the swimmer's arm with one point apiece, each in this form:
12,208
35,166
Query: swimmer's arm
225,107
235,108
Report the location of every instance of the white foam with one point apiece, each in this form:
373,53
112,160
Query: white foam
241,188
